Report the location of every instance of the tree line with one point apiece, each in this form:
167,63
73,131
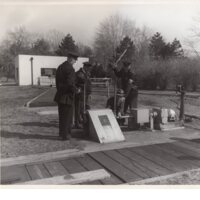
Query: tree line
157,63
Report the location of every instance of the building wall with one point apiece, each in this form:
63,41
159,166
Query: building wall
23,65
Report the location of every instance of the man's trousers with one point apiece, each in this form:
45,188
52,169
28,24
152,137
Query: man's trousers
65,120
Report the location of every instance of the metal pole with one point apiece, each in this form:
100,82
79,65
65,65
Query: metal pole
108,85
84,99
115,96
181,116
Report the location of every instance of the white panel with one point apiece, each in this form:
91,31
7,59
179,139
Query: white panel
140,115
104,126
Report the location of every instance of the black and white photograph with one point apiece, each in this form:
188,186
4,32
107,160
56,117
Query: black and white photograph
100,93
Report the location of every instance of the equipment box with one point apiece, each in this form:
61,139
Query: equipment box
138,117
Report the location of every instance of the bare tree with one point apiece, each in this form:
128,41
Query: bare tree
109,34
84,50
193,41
54,38
17,41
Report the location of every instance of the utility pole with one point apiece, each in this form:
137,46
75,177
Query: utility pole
31,59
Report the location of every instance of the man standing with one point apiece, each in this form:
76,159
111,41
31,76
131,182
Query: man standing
128,84
81,99
65,84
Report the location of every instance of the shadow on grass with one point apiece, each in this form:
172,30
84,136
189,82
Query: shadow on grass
188,157
39,124
196,140
183,139
7,134
179,139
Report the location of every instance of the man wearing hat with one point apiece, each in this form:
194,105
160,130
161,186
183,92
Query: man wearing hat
82,98
65,84
128,84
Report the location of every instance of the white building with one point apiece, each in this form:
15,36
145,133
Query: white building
40,70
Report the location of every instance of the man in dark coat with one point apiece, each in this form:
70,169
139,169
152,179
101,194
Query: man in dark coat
84,85
65,84
128,84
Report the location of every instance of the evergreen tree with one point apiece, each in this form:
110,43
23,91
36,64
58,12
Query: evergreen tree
157,46
160,50
67,44
41,47
126,43
176,48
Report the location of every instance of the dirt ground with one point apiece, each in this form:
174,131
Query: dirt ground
187,178
24,132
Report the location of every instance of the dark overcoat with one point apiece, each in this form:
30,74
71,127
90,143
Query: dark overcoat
83,77
65,84
125,76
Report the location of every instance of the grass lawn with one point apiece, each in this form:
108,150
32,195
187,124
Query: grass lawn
24,132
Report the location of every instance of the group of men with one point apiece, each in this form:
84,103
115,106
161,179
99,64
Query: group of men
74,89
70,97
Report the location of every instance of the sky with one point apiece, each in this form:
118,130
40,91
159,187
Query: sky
173,19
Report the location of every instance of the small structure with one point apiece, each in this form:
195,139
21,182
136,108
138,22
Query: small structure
40,70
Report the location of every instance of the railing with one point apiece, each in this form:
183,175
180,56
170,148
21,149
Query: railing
46,81
99,83
103,81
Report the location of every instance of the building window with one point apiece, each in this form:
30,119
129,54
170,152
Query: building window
48,72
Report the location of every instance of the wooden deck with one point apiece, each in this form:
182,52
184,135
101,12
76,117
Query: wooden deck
124,165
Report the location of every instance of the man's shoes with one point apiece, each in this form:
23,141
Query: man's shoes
78,126
68,137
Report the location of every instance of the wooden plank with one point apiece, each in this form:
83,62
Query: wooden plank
38,158
189,146
126,162
159,157
37,171
192,143
145,170
185,165
73,166
14,174
190,155
91,164
179,155
186,149
168,149
146,163
117,169
76,178
56,169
